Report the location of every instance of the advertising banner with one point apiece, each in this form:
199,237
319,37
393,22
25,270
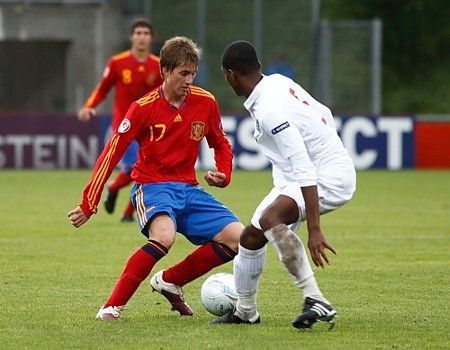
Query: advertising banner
372,142
62,142
48,142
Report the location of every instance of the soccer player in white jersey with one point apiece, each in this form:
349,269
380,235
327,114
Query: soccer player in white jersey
312,175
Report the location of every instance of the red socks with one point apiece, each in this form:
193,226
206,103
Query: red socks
199,262
138,267
141,263
129,210
122,180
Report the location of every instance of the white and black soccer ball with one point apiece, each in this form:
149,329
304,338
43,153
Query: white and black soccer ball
218,293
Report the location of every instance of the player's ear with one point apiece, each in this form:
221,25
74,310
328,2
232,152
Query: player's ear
164,71
232,74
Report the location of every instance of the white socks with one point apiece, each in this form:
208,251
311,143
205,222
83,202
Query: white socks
248,265
311,289
292,254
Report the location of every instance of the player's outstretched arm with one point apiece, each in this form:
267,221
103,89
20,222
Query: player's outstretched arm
77,217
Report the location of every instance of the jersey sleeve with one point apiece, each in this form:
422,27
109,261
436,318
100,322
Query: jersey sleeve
284,132
291,145
106,84
109,158
217,140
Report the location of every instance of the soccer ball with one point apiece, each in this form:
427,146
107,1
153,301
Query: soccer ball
218,293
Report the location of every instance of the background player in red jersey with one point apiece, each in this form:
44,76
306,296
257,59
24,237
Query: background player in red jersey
168,124
132,73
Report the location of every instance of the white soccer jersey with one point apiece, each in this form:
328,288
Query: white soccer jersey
298,135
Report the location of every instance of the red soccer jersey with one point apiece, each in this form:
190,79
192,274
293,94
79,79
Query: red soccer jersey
131,78
168,138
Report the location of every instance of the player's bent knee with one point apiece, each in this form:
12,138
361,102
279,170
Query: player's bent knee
167,239
253,238
230,235
267,222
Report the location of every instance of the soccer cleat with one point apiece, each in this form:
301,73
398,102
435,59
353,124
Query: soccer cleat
314,311
173,293
127,218
110,313
231,318
110,201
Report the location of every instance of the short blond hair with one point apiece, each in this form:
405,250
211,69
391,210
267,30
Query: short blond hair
178,51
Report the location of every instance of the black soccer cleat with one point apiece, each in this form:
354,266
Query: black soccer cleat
314,311
231,318
110,201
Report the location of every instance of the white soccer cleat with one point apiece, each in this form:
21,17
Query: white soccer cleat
110,313
172,292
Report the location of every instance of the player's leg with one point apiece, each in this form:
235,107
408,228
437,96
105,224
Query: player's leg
203,259
140,264
335,189
128,213
274,221
271,212
316,307
271,217
248,266
122,180
206,257
159,227
212,226
287,211
247,269
293,255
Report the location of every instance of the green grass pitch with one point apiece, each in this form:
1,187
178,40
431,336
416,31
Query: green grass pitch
390,281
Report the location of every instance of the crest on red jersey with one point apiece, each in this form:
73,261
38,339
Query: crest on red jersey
197,130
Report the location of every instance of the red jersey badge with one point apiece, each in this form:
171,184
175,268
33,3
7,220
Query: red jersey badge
197,130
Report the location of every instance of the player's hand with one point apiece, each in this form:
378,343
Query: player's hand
77,217
215,179
317,245
85,114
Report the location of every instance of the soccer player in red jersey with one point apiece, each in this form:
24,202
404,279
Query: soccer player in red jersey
168,124
132,74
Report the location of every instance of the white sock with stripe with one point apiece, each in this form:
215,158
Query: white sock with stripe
247,269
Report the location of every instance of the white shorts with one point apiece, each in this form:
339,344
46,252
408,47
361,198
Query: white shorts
330,198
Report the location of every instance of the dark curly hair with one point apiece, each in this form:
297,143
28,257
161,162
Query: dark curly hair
240,56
